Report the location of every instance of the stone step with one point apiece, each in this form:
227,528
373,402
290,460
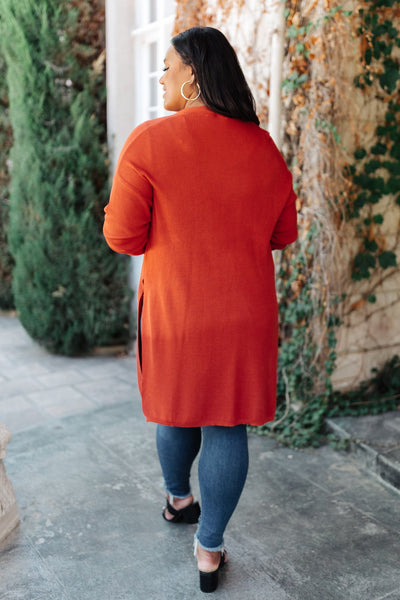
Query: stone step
375,441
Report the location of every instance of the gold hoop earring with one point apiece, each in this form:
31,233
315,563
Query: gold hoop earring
183,95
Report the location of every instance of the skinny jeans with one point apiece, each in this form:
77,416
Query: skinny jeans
222,472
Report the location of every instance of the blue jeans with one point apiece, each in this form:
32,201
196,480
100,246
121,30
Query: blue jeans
223,467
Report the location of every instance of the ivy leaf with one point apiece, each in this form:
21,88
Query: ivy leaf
393,185
379,148
360,201
377,52
381,130
375,197
390,76
372,298
357,276
371,166
393,105
292,32
378,219
387,51
387,259
378,184
393,133
395,151
363,262
370,245
392,167
390,117
379,30
363,181
360,153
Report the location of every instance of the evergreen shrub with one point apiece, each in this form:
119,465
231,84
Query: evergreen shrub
6,262
70,289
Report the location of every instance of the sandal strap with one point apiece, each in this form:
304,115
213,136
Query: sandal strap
189,514
177,516
173,510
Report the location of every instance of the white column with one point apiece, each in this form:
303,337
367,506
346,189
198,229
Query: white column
120,20
277,49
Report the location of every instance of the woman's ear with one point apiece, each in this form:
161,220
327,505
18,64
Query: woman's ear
190,75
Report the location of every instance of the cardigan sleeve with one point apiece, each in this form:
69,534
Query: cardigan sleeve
128,213
285,230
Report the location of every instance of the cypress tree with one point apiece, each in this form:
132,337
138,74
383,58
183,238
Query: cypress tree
6,262
70,289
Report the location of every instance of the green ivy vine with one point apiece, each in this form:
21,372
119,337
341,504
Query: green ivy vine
375,174
305,397
305,366
378,394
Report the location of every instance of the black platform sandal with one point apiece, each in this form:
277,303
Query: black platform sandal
190,514
209,580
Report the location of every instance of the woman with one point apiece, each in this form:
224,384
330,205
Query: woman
206,196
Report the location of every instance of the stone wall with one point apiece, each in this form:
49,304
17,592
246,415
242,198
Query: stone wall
369,335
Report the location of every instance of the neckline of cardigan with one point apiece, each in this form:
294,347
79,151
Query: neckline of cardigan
203,106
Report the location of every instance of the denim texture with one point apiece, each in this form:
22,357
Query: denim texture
223,466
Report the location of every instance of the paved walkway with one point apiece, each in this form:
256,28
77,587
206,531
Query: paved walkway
311,525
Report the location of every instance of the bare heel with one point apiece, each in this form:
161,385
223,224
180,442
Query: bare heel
209,579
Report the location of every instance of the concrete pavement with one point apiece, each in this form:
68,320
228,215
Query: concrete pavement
311,524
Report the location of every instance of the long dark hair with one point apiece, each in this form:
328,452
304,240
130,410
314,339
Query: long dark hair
215,65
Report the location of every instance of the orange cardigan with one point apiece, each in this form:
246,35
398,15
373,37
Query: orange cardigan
205,198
